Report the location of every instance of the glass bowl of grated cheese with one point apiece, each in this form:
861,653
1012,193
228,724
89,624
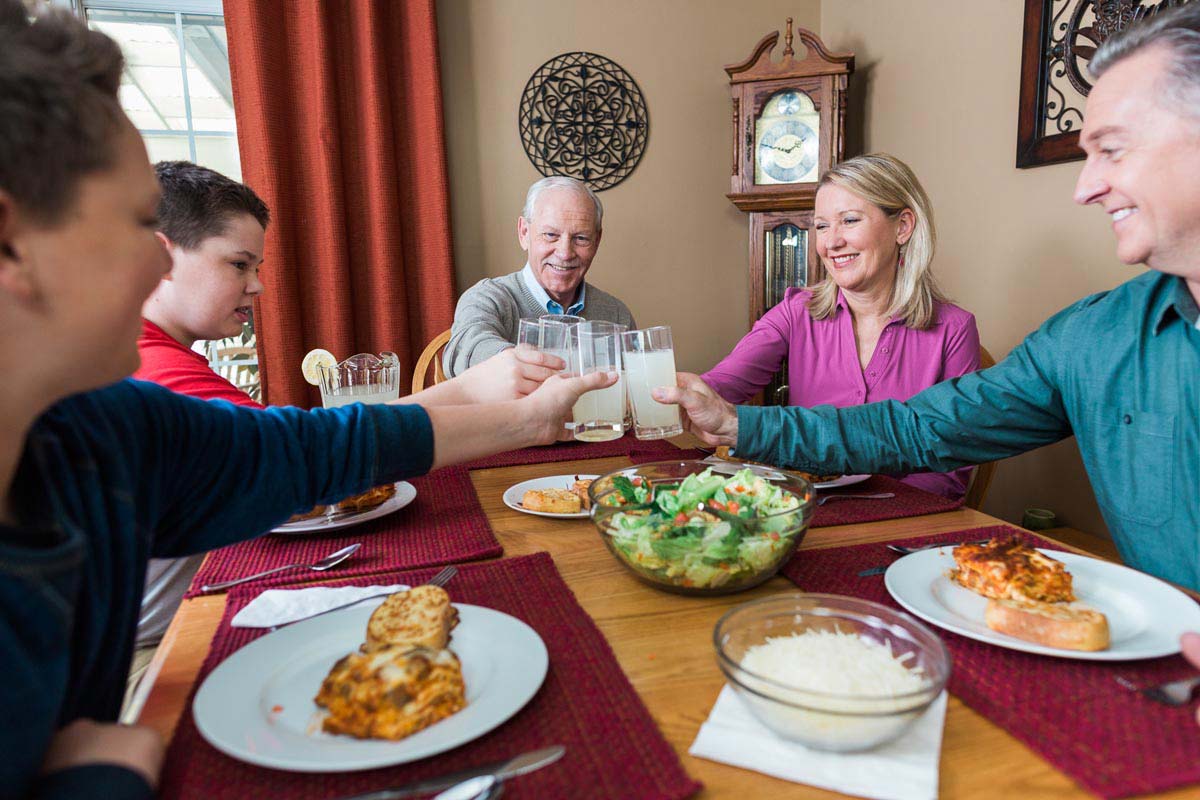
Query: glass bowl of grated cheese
830,672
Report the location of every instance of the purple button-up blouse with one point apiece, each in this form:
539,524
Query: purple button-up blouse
823,365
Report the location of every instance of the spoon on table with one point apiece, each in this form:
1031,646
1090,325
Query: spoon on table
328,562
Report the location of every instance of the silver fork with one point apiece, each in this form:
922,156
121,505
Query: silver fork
441,579
1175,693
902,550
878,496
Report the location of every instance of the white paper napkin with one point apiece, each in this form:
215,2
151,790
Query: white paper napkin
280,606
906,769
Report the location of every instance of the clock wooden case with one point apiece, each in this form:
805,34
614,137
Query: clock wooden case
788,122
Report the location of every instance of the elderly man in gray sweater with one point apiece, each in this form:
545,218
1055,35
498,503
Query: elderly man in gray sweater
560,229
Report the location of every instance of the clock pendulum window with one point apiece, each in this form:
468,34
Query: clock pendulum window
788,121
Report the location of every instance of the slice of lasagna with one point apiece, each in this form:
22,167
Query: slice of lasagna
391,693
1009,569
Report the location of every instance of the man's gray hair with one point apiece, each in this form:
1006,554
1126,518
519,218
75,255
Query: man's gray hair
1175,28
562,182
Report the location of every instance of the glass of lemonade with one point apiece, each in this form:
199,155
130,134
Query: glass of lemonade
596,347
649,359
364,378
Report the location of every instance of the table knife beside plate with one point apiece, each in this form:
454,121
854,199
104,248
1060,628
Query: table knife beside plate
503,770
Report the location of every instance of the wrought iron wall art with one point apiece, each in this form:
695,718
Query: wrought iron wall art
583,116
1061,36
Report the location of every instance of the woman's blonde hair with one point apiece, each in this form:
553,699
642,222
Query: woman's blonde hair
888,183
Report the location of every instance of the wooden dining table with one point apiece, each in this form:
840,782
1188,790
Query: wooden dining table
663,643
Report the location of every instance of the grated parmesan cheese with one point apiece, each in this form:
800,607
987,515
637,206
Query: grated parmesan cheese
834,662
844,690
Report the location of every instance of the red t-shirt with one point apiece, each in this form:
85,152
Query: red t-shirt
183,370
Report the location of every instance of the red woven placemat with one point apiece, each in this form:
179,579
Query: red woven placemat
614,749
445,524
1109,739
908,502
572,451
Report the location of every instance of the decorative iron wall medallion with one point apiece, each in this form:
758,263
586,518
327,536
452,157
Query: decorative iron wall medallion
584,117
1061,36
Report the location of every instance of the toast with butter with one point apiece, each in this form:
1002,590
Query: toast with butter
419,617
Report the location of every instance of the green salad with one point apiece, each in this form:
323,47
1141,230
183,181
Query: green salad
709,530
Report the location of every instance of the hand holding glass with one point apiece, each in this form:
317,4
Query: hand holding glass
649,358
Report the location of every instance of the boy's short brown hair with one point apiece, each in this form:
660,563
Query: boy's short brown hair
59,113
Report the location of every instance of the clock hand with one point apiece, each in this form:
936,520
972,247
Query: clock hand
799,143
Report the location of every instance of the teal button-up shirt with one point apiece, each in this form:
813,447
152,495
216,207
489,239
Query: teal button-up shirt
1120,370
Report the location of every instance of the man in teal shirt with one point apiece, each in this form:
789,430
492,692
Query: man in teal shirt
1119,370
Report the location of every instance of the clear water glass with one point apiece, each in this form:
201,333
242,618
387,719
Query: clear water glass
596,347
649,359
362,378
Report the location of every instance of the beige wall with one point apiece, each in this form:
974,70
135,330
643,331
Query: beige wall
674,248
937,85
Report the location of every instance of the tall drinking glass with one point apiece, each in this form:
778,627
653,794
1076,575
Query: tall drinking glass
649,358
549,335
364,378
599,414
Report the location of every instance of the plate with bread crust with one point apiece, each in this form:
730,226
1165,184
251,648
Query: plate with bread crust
324,522
552,496
1145,615
258,705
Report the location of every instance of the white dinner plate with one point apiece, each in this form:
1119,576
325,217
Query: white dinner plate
405,494
513,494
845,480
257,705
1145,615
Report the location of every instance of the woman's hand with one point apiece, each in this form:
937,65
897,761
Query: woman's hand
508,375
705,414
1190,642
84,741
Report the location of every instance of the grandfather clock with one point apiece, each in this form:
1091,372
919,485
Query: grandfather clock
788,119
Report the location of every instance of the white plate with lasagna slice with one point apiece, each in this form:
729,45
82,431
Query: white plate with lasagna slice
1145,615
323,523
257,705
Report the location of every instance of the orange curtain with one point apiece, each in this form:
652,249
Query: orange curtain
339,116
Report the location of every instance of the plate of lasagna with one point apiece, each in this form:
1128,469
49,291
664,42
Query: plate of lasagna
562,496
371,504
367,687
1048,602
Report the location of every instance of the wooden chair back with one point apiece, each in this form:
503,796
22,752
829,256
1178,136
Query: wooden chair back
431,355
984,473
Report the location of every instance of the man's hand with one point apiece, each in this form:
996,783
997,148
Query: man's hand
1190,642
704,412
509,375
86,741
550,406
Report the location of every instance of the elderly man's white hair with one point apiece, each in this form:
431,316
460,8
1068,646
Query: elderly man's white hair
1178,30
562,182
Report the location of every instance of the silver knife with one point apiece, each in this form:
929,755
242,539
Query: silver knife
503,770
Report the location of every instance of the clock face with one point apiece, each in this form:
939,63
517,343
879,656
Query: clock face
786,140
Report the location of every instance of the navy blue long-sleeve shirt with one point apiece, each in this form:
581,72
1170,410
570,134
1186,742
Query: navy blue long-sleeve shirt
113,477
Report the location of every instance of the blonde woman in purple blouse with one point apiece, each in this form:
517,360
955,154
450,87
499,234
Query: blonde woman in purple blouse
878,328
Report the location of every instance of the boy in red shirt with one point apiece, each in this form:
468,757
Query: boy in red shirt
214,229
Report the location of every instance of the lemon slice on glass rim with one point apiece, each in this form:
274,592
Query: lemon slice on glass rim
313,362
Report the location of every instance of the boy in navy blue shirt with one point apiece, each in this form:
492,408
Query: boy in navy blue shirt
96,477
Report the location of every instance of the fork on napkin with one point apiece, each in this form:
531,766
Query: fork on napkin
280,606
905,769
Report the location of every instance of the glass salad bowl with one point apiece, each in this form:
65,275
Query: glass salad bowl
682,527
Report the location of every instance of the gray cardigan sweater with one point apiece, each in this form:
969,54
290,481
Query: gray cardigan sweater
487,316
